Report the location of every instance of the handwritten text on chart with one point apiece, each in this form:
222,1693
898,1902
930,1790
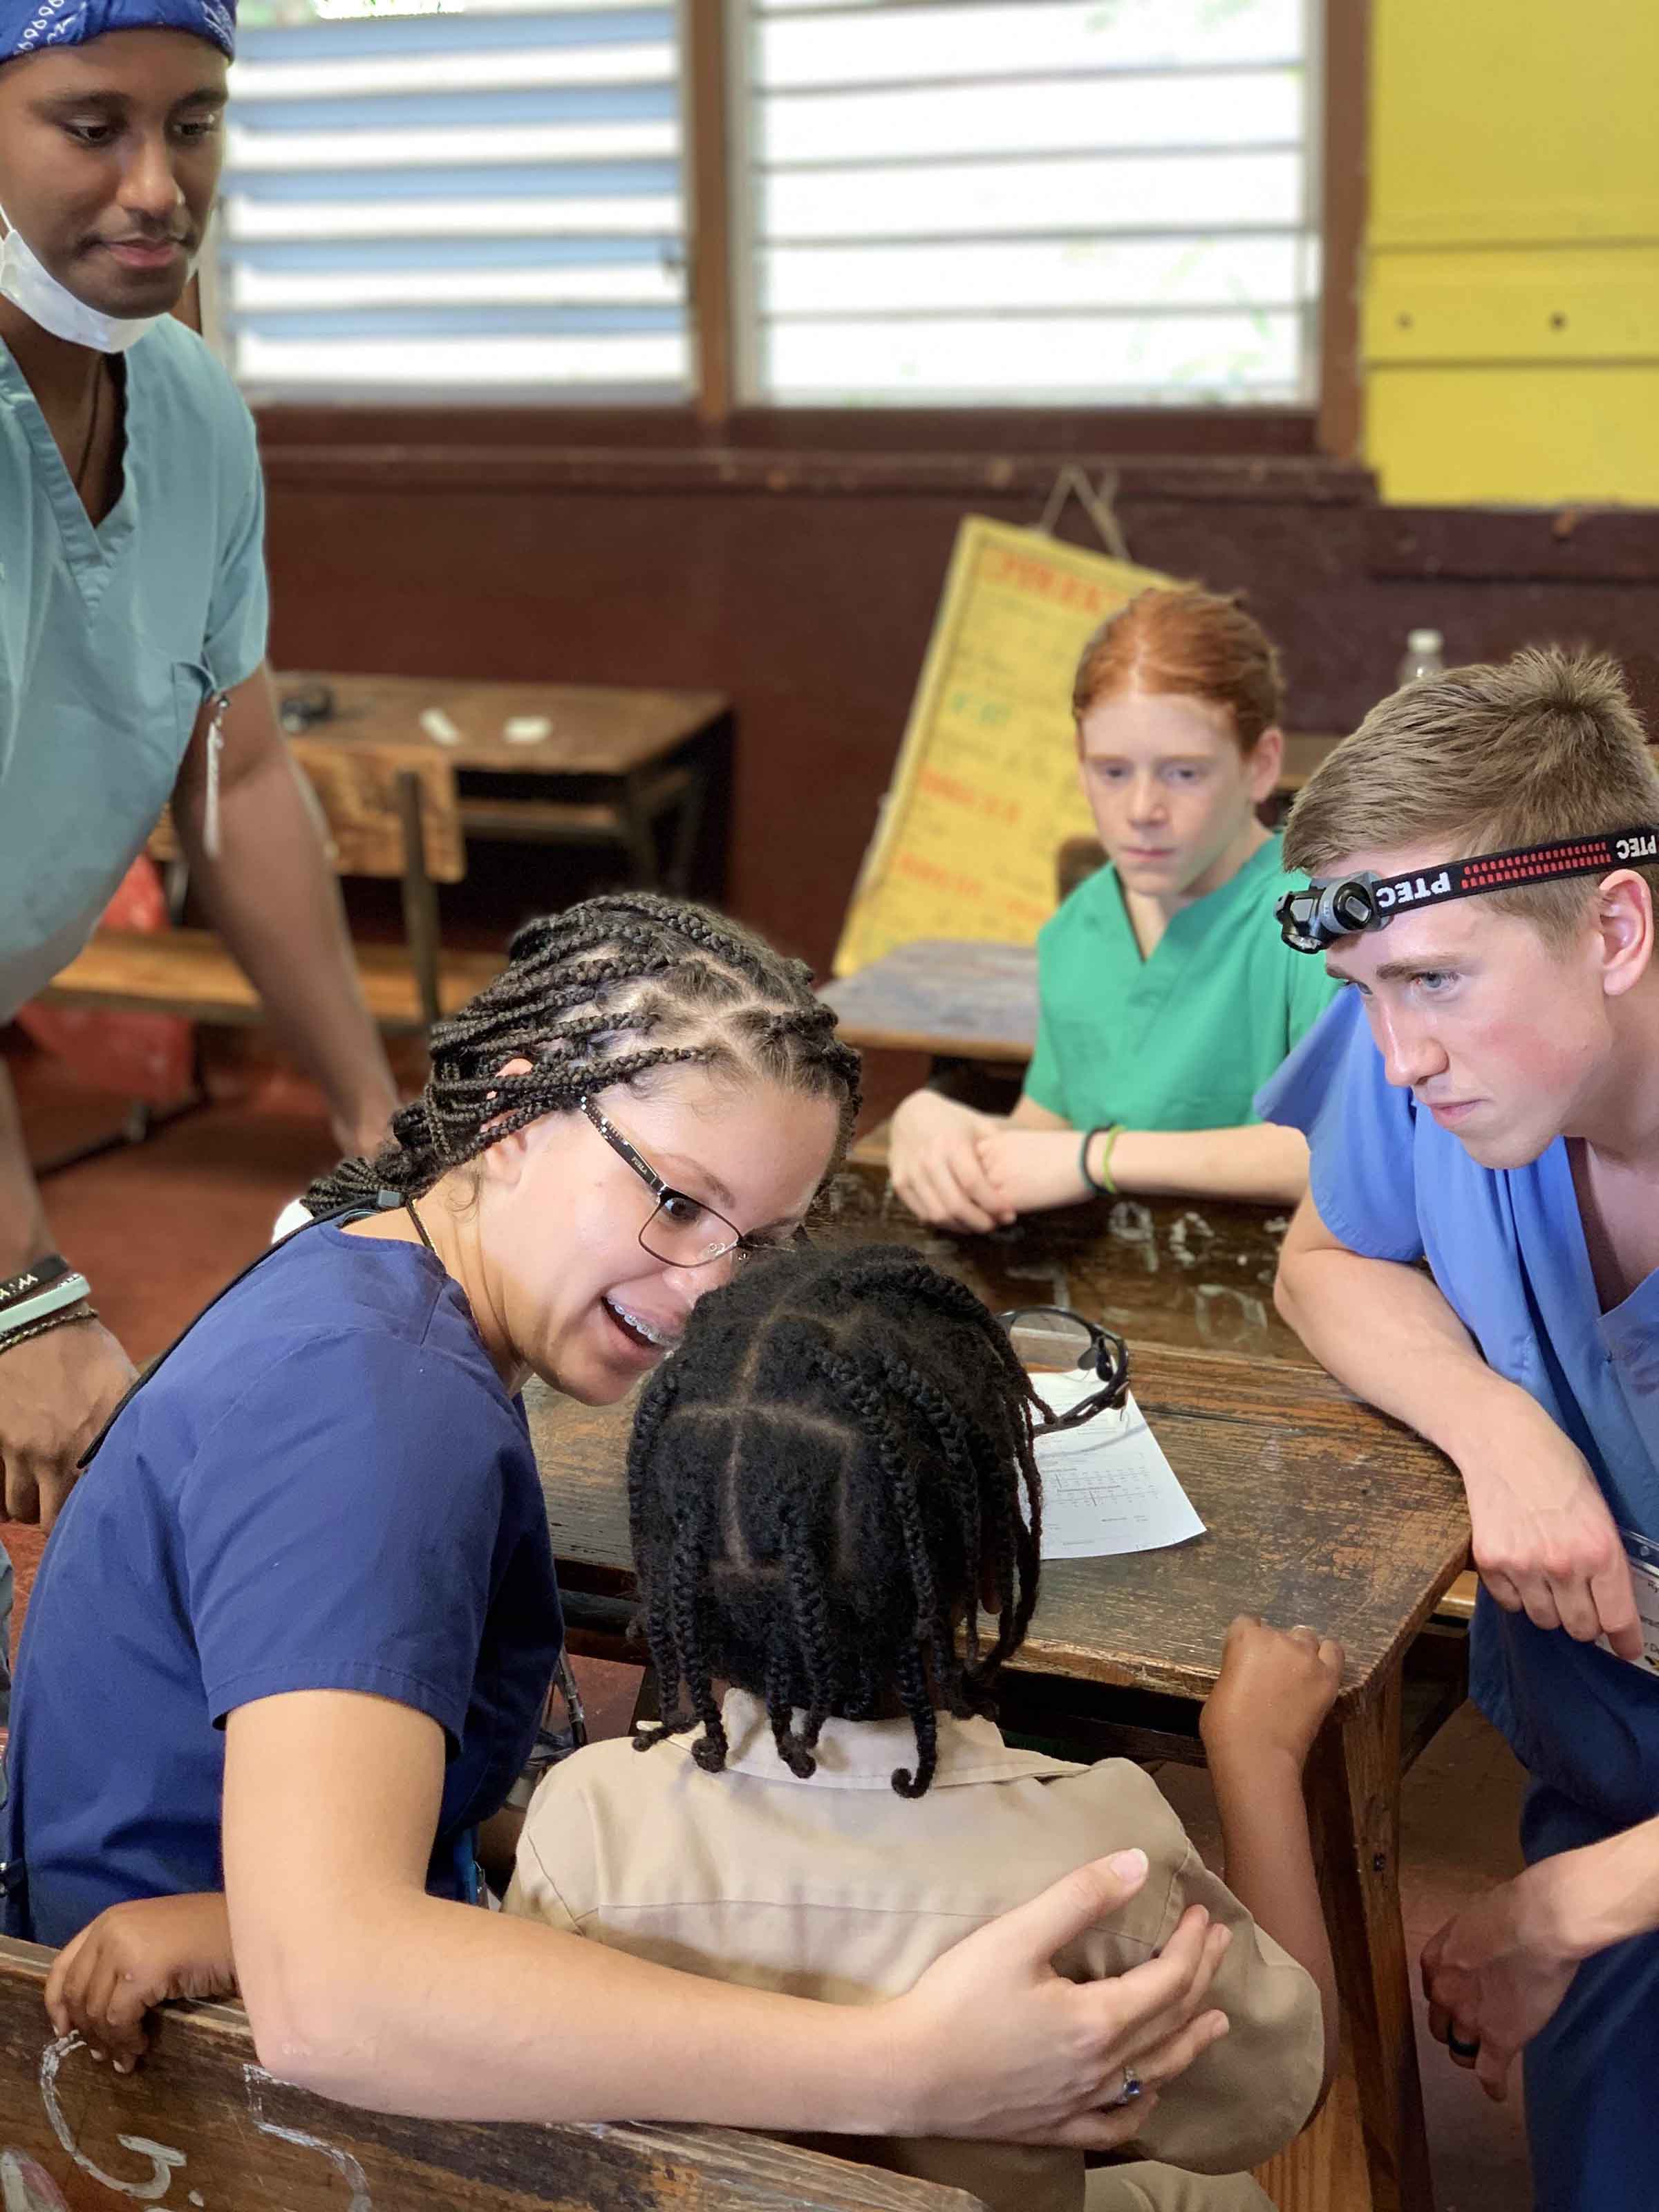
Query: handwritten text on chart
985,788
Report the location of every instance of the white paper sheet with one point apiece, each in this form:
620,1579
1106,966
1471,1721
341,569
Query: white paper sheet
1107,1487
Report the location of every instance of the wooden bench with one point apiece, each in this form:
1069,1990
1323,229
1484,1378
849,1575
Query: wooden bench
201,2124
391,812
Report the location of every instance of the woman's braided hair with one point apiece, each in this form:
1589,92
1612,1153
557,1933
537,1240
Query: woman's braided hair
608,992
821,1482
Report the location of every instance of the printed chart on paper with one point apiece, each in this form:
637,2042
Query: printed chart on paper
1107,1487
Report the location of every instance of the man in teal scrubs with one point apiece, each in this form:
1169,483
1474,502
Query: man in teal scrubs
1485,1099
132,617
1165,998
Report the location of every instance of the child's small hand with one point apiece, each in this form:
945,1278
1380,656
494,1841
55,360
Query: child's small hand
1032,1170
132,1958
1276,1687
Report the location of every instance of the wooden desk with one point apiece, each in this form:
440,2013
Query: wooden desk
954,998
1317,1510
1160,1271
614,762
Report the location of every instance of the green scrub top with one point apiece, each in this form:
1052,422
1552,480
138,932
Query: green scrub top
112,638
1185,1039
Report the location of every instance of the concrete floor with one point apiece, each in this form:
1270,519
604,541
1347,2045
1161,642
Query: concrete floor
158,1230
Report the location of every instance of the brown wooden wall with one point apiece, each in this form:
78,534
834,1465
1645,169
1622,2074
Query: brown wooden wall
803,582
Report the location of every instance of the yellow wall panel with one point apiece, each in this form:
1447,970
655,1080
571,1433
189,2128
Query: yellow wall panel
1582,304
1504,121
1511,304
1536,437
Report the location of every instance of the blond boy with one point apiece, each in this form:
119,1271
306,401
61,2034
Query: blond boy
1486,1099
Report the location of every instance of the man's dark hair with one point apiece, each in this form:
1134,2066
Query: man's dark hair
823,1482
613,991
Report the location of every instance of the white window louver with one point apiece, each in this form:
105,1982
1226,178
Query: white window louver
482,201
1046,202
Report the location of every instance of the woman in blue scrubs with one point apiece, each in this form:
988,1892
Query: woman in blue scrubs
132,615
306,1587
1485,1098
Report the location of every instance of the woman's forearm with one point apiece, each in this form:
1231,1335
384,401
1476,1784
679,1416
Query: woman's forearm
448,2013
360,1986
1257,1162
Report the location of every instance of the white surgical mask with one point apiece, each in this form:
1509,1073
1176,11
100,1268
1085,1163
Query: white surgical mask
28,284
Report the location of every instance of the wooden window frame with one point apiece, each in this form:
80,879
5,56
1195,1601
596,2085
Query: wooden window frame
1329,426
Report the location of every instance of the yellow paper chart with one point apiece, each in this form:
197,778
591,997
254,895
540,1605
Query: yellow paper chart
985,787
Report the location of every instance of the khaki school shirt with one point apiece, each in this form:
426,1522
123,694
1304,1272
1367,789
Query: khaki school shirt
836,1887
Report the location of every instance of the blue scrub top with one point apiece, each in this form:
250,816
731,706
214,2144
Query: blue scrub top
111,639
325,1488
1506,1248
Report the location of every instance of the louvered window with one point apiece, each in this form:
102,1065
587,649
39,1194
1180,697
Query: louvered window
472,200
1106,202
1067,202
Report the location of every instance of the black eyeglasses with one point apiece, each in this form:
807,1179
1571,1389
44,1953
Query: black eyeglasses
682,1229
1054,1338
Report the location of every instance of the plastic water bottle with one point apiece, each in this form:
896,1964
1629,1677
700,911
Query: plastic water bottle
1422,656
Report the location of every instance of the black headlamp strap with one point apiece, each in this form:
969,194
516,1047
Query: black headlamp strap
1339,906
1515,870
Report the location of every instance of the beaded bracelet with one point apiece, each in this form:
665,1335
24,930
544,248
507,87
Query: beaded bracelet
1102,1184
8,1338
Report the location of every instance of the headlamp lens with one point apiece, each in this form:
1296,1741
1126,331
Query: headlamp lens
1310,921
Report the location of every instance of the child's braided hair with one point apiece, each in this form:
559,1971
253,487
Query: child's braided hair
608,992
824,1482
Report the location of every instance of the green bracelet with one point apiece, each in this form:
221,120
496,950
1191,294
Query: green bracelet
1101,1185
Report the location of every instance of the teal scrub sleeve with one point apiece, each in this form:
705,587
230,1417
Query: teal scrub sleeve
239,609
1361,1131
1043,1086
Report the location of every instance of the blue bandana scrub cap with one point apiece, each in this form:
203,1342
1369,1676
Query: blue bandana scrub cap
29,27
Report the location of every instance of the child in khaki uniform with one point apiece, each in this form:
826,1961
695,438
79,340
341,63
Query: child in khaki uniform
827,1483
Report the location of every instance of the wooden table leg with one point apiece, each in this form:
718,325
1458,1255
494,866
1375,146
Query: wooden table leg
687,827
1354,1797
639,837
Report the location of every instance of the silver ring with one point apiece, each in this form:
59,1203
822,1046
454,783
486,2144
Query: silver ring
1128,2093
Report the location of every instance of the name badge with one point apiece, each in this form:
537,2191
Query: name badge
1642,1553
